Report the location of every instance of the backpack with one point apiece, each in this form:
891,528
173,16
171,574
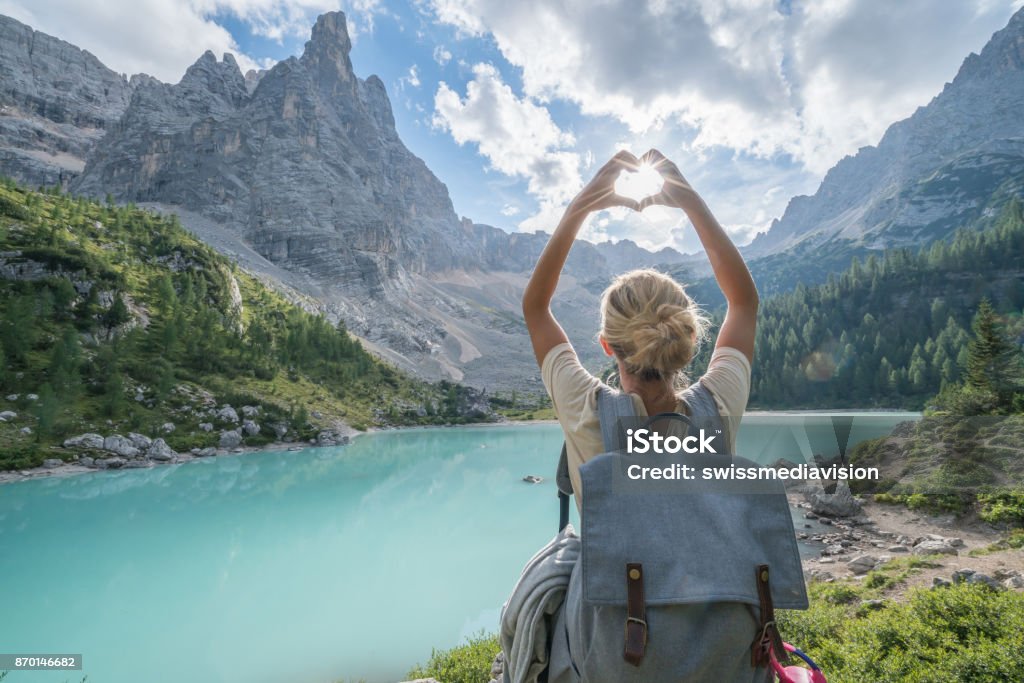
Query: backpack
674,582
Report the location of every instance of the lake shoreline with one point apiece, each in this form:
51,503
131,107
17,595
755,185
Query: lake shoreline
71,468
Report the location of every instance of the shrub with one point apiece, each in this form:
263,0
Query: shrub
1003,507
958,633
469,663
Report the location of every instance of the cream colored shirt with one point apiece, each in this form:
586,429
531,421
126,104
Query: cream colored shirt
573,392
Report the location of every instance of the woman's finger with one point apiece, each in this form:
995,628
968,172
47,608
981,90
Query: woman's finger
627,157
622,161
626,202
653,157
660,198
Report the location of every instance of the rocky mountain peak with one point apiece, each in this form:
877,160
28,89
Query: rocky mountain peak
223,80
326,55
1003,53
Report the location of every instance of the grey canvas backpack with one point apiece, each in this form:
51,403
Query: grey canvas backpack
676,581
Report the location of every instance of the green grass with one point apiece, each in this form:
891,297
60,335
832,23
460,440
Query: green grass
468,663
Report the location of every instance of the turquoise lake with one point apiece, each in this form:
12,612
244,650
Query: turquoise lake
311,566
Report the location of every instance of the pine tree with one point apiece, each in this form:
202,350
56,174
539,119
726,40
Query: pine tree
992,364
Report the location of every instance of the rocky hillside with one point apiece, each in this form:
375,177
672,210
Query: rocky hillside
56,102
951,163
116,321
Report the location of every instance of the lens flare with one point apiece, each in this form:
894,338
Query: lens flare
644,182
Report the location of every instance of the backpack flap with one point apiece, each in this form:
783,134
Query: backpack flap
697,541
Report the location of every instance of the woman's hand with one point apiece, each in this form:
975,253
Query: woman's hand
600,192
676,191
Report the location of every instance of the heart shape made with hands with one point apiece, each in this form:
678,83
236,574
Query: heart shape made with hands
639,185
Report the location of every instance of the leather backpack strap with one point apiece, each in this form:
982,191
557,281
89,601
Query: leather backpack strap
564,484
636,615
768,638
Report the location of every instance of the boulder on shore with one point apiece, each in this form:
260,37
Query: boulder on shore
89,440
159,450
119,445
838,504
230,438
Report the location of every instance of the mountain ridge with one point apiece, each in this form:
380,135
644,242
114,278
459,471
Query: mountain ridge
881,193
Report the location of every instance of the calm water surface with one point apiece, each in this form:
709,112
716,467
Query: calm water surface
348,562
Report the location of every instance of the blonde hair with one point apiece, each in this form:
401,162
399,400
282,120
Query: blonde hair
651,324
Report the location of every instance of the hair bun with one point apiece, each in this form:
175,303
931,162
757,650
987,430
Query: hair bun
650,323
663,340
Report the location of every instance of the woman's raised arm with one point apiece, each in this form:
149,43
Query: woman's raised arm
731,272
545,332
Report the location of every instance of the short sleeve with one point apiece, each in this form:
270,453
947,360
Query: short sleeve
569,384
728,380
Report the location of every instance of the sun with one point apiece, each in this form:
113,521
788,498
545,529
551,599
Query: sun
644,182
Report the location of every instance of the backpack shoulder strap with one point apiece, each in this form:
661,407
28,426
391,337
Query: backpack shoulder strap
612,406
700,401
703,407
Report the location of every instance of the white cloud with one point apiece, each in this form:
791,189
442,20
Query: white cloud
442,55
815,85
509,210
163,37
412,78
516,135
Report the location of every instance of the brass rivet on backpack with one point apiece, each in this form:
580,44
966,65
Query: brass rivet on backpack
764,575
634,574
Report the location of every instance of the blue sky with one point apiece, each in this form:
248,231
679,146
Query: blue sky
514,105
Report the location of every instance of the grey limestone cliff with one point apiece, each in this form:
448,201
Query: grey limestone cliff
305,165
56,102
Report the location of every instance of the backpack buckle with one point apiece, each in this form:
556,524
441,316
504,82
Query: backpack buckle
636,640
636,616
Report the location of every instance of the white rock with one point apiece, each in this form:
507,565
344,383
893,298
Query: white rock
227,414
7,415
140,441
11,397
250,411
50,463
838,504
88,440
250,428
1014,582
159,450
167,427
931,547
25,430
119,445
230,438
206,426
110,463
32,397
862,564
